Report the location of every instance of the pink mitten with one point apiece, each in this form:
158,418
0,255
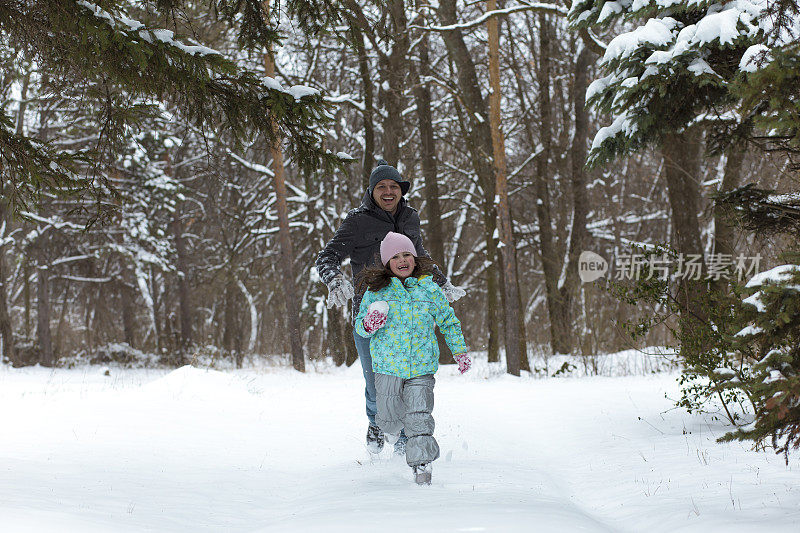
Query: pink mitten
464,362
376,317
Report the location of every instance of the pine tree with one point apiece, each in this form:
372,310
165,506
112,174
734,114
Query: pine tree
129,67
731,68
770,341
769,80
673,70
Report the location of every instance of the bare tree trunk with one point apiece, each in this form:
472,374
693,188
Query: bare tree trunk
184,305
479,143
580,204
6,327
560,326
336,347
287,251
512,308
351,354
43,335
157,325
42,267
723,232
681,154
62,318
26,294
127,299
369,105
434,238
230,330
393,72
524,364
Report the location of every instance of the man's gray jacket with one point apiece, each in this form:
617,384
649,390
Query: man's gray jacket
359,238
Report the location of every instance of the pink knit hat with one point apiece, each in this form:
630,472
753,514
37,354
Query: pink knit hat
393,244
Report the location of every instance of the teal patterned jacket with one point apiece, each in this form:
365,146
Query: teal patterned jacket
406,346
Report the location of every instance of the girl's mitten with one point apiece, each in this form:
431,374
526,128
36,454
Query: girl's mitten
464,362
376,317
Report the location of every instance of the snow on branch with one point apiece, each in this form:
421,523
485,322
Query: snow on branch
261,169
82,279
131,25
526,6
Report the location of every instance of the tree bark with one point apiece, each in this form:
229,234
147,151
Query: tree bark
127,299
26,294
231,331
62,318
6,328
336,346
368,159
560,331
184,303
434,238
723,232
43,334
6,325
393,72
479,143
580,203
286,259
681,152
158,329
511,288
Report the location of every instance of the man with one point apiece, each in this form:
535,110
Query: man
383,209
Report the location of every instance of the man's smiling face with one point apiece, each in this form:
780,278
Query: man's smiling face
387,194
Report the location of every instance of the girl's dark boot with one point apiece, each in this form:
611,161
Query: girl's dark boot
422,474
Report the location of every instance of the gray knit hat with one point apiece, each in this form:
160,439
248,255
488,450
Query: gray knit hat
384,171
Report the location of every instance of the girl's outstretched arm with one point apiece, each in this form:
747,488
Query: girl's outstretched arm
449,324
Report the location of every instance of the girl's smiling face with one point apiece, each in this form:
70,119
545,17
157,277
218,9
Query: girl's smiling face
402,264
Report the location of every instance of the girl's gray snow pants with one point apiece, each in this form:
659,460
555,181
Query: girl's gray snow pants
407,403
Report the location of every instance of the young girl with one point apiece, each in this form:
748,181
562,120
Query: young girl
398,313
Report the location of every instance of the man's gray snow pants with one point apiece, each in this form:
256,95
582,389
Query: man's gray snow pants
407,403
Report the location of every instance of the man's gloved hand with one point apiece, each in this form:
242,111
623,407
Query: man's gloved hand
451,292
339,291
464,362
377,314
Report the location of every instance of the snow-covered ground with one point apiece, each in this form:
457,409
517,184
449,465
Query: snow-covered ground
269,449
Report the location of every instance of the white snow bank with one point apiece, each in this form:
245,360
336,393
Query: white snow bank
86,452
197,383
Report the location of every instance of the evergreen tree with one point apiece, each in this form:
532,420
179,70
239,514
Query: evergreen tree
673,70
769,80
731,67
128,67
770,342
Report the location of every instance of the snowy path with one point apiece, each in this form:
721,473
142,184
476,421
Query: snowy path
278,451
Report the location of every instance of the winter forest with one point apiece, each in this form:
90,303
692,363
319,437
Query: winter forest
171,170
